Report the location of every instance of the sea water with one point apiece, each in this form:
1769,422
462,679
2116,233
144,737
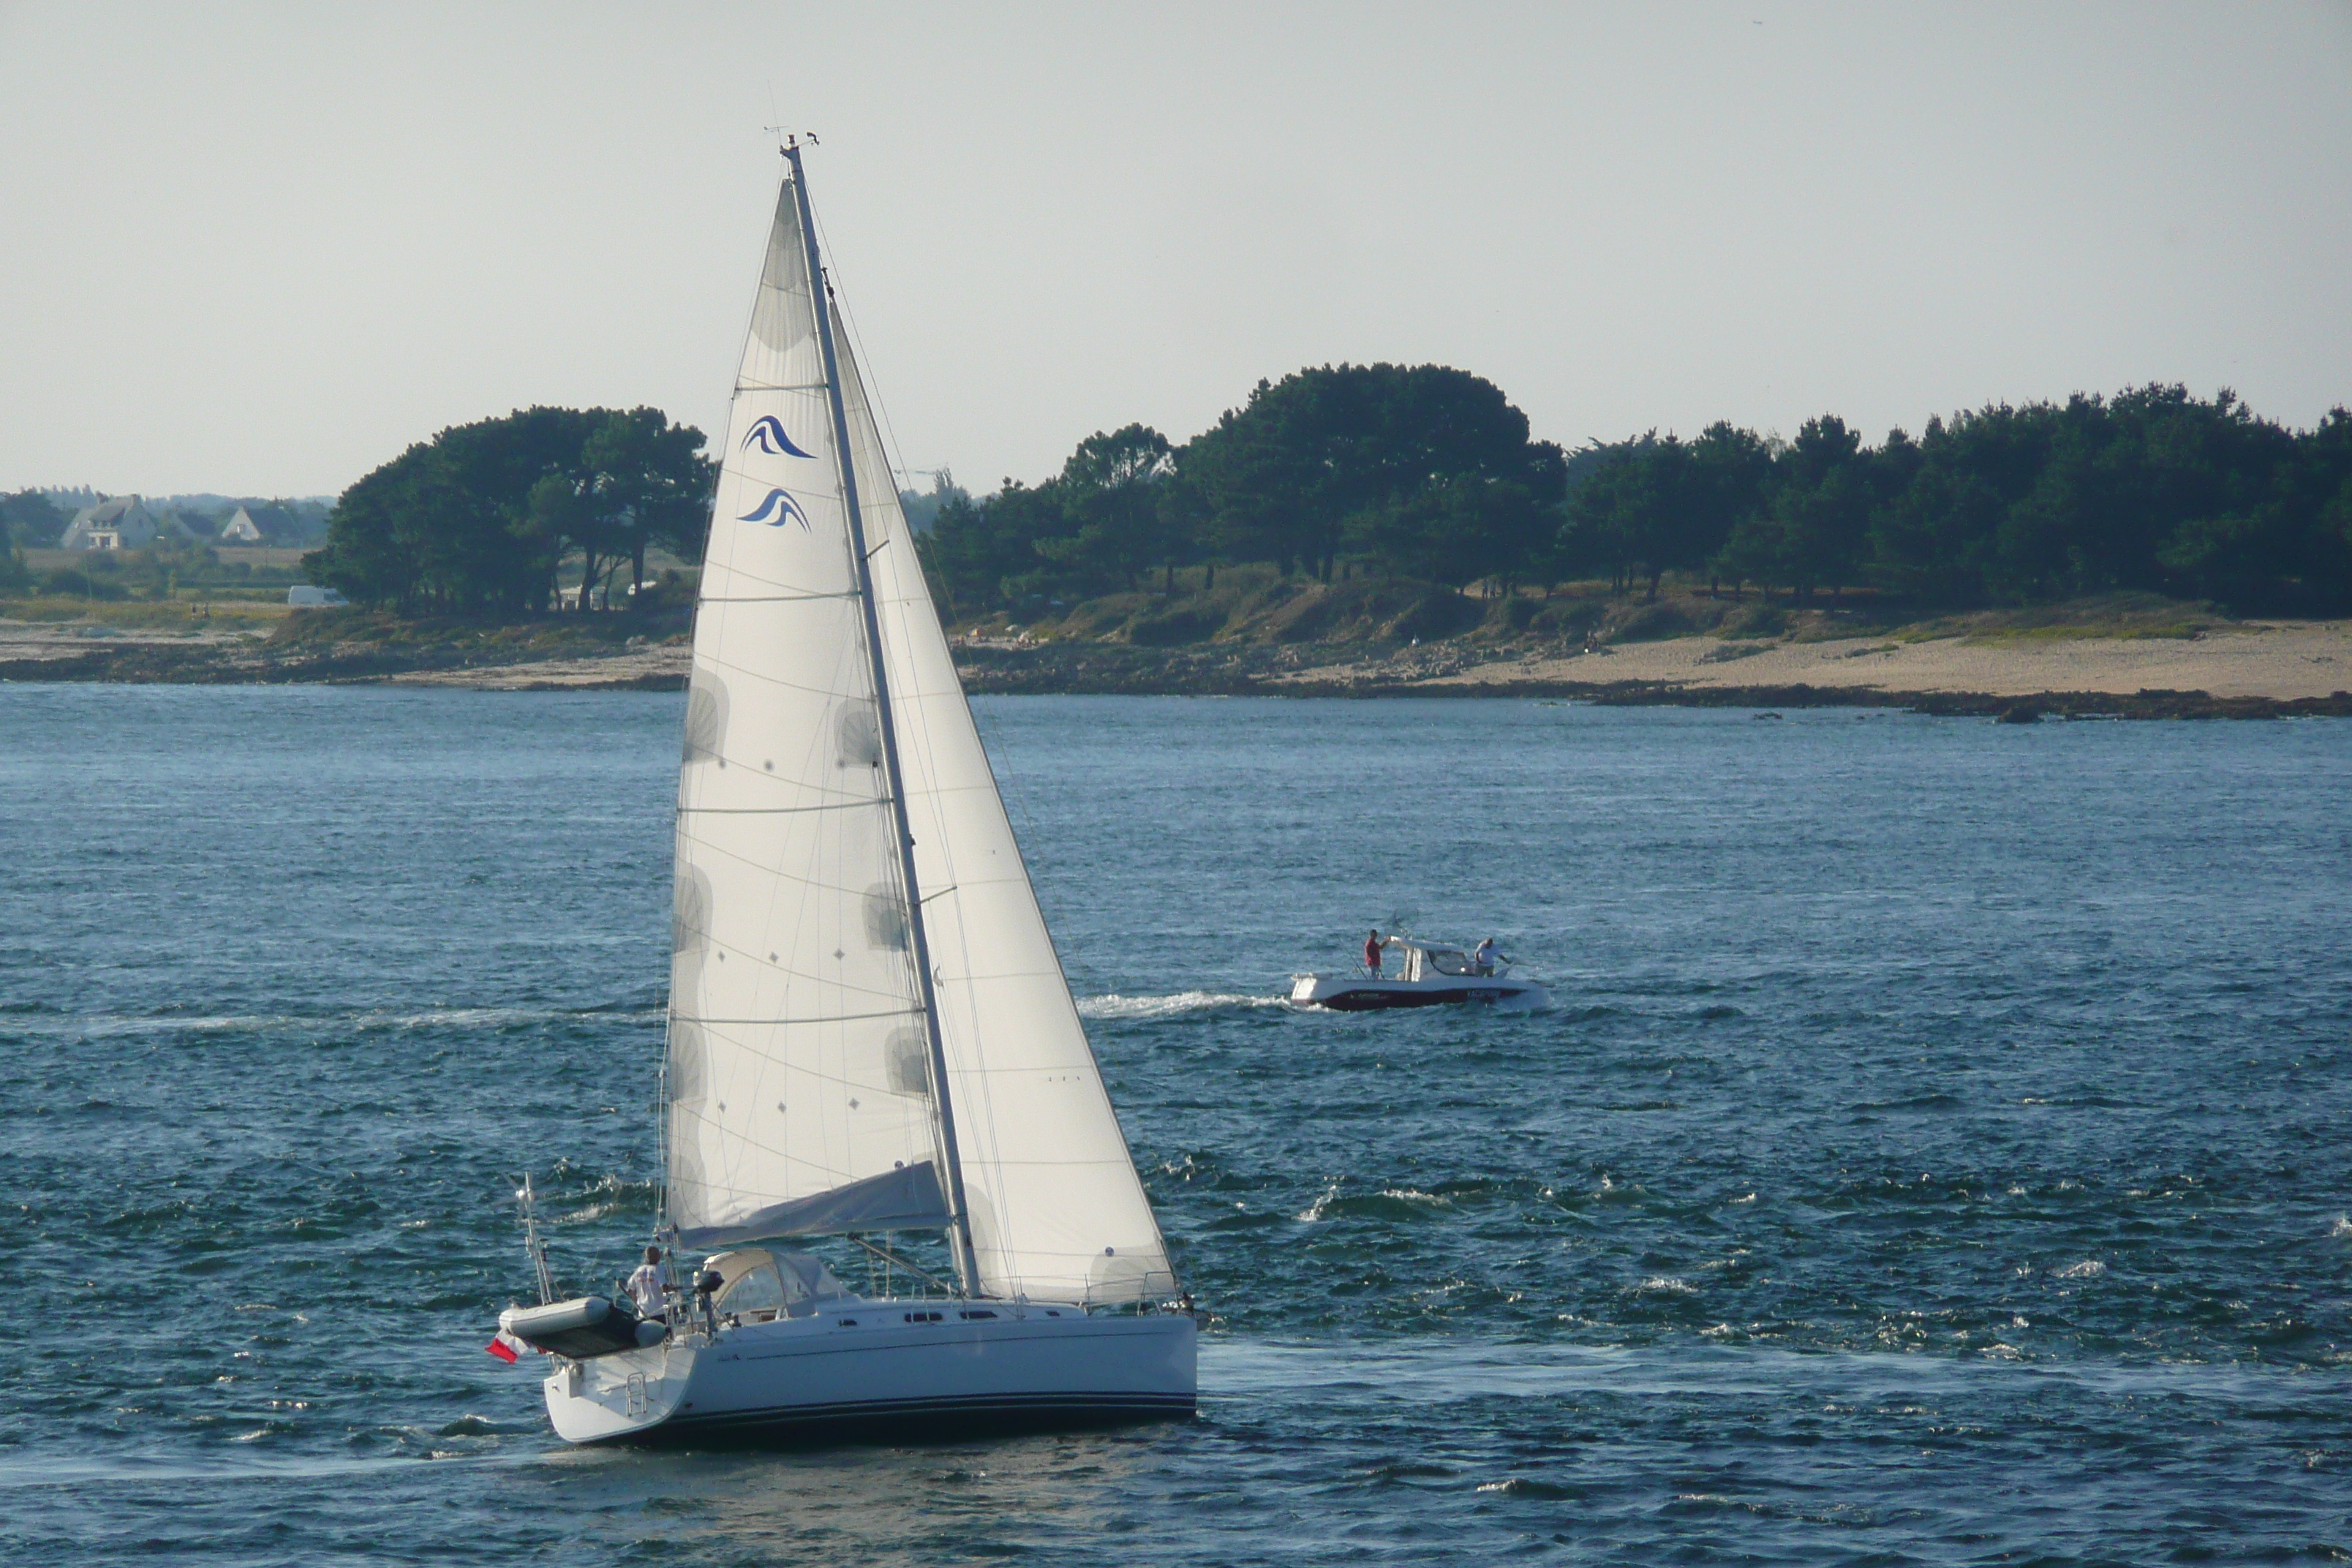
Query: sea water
1934,1153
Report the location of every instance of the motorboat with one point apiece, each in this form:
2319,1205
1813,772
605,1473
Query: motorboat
871,1040
1431,974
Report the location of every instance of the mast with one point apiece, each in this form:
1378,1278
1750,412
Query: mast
959,1234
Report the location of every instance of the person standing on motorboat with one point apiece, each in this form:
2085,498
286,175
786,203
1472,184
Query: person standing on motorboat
1484,959
645,1287
1372,954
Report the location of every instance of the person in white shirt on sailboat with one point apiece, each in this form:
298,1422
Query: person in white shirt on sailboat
646,1287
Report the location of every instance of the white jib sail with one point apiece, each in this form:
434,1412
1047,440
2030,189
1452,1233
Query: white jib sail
1056,1208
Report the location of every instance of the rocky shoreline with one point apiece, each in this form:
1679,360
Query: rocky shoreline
2032,682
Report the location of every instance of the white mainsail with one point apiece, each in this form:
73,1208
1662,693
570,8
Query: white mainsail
800,1088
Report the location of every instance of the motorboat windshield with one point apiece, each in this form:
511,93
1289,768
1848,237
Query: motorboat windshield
1426,960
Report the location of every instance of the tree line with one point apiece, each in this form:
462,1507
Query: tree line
484,517
1429,473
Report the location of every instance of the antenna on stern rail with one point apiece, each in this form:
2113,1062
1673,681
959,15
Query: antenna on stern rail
526,1200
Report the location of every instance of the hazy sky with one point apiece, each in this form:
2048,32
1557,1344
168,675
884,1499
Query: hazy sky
260,249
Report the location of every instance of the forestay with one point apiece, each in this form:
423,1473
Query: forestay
799,1083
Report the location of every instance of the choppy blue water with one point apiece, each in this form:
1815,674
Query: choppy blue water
1935,1155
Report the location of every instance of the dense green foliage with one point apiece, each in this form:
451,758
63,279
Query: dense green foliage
31,521
2152,489
1429,473
1424,472
481,517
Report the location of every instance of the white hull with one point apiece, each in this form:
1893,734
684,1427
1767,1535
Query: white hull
884,1370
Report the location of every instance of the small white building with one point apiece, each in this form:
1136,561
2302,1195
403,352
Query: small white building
122,524
261,523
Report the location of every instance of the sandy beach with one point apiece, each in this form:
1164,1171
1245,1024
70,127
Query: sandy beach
662,667
2283,661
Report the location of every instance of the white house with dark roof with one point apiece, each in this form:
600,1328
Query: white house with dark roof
122,524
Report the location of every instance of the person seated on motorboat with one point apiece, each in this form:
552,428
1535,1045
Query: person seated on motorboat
1484,959
645,1287
1372,954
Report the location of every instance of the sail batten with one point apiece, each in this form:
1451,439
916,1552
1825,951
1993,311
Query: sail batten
803,1087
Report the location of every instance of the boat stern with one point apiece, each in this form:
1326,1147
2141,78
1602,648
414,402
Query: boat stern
608,1398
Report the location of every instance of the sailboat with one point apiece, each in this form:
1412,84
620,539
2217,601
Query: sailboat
870,1035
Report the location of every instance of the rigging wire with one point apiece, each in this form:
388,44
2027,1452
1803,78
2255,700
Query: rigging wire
892,454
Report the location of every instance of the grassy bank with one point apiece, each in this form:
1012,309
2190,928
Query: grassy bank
1256,607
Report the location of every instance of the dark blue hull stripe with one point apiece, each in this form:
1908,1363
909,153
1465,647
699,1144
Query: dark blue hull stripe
974,1413
1368,1001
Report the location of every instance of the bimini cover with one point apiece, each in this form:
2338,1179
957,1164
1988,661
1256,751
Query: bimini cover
791,1284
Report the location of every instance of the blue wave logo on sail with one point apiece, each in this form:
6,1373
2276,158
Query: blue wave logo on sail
775,509
768,434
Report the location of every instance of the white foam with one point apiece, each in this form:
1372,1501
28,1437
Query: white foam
1118,1006
2089,1268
